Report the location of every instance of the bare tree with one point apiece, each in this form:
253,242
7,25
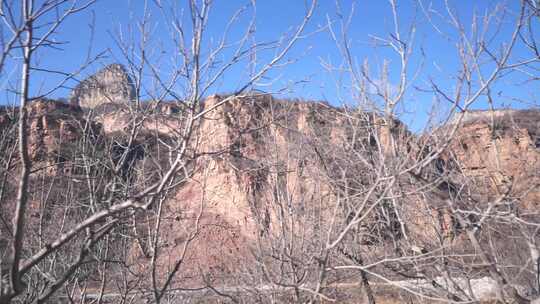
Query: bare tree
344,201
409,171
109,195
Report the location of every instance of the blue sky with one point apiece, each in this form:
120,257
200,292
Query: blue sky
434,56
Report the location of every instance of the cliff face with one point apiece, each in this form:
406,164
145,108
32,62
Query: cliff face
268,157
500,152
258,165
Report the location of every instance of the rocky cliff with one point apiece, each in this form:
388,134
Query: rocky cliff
257,162
500,152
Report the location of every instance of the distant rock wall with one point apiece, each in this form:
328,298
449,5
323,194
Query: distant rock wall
503,155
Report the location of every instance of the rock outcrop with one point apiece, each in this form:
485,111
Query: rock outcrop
112,84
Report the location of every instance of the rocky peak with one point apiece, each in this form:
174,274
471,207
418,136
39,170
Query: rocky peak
112,84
